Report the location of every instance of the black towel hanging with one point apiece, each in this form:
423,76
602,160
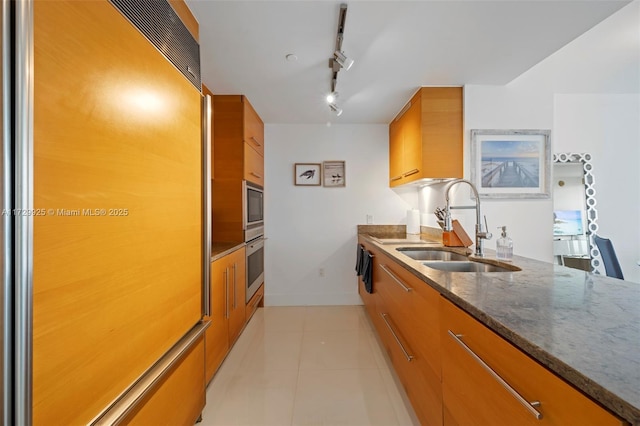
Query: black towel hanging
359,259
367,272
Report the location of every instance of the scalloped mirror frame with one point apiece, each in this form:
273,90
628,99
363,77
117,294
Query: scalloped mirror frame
590,201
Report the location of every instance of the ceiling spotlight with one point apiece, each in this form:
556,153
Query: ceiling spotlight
342,60
331,97
335,109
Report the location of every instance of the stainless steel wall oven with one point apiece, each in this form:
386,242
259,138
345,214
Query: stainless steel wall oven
255,266
252,210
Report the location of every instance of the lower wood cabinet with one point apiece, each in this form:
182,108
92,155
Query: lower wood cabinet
404,311
236,294
455,370
227,308
409,311
488,381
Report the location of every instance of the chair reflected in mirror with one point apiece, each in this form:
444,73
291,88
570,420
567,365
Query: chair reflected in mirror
609,258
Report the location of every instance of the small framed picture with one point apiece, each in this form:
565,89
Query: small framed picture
307,174
334,173
511,163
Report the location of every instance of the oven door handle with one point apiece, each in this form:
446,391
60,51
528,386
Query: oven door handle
255,245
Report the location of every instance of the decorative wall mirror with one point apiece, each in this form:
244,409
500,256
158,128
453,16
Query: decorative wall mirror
574,198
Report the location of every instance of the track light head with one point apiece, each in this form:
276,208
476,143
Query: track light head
342,60
335,109
331,97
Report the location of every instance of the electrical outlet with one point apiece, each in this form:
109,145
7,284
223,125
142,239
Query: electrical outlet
369,219
321,272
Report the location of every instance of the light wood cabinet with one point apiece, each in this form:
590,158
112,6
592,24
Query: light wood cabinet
408,308
404,311
442,356
474,395
253,166
253,128
236,295
426,137
227,308
237,155
238,139
217,334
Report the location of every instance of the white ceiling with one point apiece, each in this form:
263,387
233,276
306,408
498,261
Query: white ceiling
397,47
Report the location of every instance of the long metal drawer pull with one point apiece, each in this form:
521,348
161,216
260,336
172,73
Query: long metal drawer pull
395,178
255,141
528,405
411,172
226,293
134,396
396,279
235,290
393,333
256,175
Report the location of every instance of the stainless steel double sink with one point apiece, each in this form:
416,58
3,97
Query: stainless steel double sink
451,262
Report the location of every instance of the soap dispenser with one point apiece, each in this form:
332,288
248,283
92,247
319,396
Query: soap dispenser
504,246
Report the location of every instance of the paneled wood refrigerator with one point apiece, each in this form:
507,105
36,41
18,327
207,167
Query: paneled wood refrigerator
113,246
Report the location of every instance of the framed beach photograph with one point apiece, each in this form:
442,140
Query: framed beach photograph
511,163
307,174
334,174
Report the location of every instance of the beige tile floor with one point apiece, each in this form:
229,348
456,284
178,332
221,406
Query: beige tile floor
315,365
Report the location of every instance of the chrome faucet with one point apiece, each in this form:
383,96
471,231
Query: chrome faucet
481,234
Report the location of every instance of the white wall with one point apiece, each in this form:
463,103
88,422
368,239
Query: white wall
588,94
309,228
608,127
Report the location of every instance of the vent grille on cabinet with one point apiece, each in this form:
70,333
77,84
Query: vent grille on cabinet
157,20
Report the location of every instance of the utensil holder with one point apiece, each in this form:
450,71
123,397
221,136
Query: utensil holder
457,237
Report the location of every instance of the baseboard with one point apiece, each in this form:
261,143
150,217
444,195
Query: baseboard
317,299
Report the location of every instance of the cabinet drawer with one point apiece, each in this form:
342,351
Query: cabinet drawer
474,395
420,382
253,166
414,307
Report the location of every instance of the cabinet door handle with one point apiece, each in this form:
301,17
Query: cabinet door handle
393,179
255,141
256,175
528,405
396,279
234,286
393,333
226,293
411,172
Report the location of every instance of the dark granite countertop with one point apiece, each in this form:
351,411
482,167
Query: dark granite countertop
583,327
221,249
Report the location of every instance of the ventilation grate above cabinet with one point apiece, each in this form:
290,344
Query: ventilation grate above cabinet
160,24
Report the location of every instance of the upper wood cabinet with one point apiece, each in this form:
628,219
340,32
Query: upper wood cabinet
253,128
238,140
425,138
